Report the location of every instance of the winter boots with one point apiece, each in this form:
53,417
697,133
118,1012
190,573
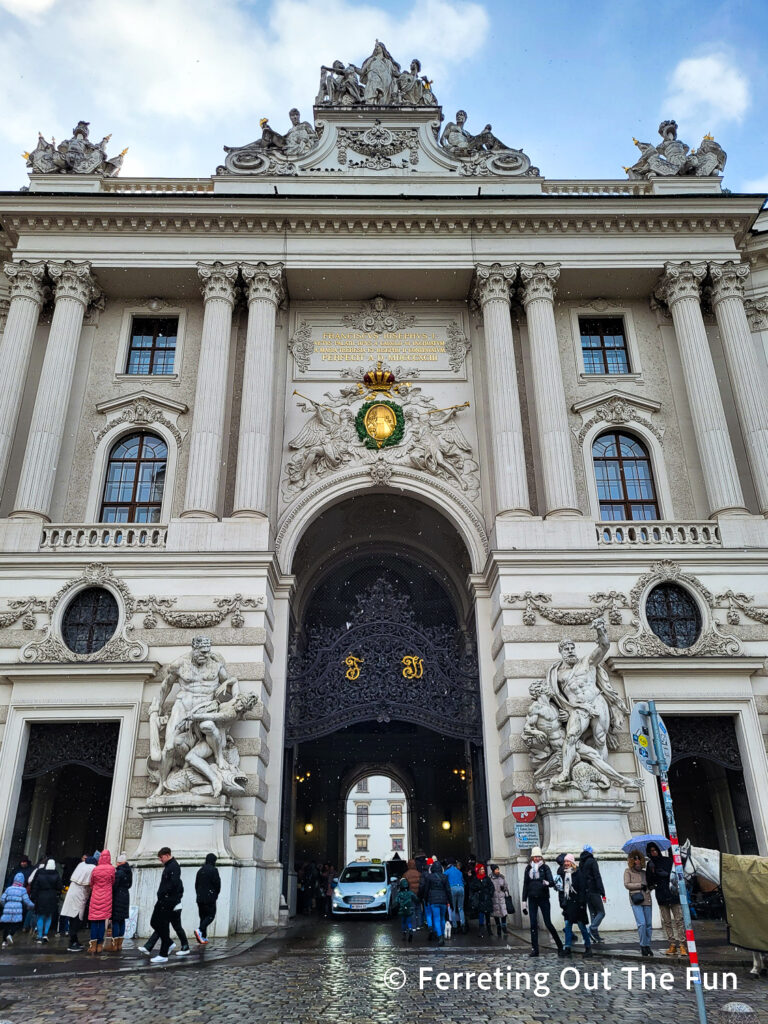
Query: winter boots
92,947
683,949
117,945
672,951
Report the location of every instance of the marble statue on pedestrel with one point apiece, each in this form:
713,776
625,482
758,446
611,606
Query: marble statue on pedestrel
672,157
191,749
458,141
574,719
77,155
273,152
483,153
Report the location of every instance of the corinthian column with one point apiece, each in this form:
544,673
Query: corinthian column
16,347
747,379
264,282
492,291
211,393
538,295
679,288
75,289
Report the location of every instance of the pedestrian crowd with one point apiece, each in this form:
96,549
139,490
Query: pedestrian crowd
98,897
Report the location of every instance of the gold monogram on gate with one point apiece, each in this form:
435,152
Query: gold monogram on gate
413,667
353,666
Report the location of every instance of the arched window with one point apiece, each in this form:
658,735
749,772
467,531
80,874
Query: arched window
673,615
90,620
133,489
624,478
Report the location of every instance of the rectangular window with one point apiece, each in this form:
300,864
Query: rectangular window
362,786
396,816
362,816
394,787
362,844
604,344
153,345
397,844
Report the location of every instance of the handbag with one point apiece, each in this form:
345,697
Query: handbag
509,904
637,898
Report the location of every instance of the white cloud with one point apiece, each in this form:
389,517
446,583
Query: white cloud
28,10
176,79
710,89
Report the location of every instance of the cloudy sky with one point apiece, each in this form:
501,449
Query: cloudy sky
568,82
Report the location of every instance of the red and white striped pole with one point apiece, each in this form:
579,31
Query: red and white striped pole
690,940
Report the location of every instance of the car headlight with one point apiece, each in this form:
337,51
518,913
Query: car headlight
337,892
382,892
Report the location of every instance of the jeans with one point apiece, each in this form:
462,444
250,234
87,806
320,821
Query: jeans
643,918
43,924
536,904
438,917
118,928
419,913
407,924
457,901
568,931
428,917
98,928
596,911
207,913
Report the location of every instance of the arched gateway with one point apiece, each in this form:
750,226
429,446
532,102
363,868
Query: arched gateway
383,676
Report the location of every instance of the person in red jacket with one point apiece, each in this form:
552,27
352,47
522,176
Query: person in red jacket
100,908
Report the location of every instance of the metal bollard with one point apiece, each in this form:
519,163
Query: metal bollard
738,1013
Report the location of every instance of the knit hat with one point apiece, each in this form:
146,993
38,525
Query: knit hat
50,865
536,852
18,878
569,858
588,849
122,857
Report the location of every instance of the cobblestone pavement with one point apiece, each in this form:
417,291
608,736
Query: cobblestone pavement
339,974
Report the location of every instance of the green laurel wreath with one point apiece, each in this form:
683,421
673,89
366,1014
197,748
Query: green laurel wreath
394,438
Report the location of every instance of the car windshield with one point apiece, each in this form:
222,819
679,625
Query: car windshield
363,873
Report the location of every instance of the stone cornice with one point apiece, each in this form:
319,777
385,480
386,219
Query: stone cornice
147,397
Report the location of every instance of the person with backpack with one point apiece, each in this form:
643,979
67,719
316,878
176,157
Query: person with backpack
405,902
593,883
207,889
662,879
14,901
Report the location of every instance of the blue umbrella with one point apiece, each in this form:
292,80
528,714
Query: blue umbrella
640,842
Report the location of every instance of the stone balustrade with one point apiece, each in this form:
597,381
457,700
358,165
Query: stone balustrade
101,536
704,534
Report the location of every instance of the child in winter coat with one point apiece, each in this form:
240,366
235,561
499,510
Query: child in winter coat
14,901
406,905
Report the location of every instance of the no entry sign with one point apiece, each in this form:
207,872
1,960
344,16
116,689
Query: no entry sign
523,809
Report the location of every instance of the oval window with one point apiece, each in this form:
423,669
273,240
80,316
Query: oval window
673,615
90,620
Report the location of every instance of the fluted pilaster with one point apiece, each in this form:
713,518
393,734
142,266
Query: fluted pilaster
211,393
26,298
747,378
492,286
538,297
75,289
265,290
679,287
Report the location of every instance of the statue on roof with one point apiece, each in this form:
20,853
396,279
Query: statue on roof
379,82
458,141
273,152
483,153
672,157
77,155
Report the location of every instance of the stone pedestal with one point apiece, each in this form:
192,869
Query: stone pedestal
569,821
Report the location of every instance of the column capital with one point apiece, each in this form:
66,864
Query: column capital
727,280
74,280
681,281
539,281
493,281
757,313
219,280
264,281
26,279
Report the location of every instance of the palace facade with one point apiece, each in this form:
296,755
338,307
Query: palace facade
387,415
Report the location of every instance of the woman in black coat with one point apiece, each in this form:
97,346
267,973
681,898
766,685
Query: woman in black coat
481,892
538,883
121,901
573,900
45,891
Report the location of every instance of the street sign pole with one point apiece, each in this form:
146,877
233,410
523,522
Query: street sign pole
693,956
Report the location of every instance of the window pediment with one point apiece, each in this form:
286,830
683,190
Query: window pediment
141,408
617,407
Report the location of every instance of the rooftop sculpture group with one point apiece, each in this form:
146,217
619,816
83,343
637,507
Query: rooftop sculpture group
77,155
674,158
379,82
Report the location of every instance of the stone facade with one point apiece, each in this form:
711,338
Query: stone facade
292,273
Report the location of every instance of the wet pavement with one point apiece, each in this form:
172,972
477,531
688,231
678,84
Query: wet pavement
360,972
